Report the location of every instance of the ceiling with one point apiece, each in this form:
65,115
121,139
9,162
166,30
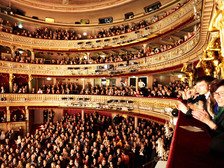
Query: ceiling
70,5
71,11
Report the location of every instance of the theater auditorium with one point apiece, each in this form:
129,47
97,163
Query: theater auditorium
111,84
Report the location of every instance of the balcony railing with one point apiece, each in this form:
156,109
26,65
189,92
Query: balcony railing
160,27
141,105
153,62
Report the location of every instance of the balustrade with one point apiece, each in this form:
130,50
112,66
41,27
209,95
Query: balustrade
152,62
160,27
141,105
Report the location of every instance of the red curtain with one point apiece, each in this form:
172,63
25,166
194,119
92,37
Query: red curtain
2,111
14,108
4,78
72,111
21,80
18,110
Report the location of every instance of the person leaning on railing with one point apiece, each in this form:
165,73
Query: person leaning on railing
216,122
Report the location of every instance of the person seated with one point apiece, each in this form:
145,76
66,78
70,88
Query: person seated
4,118
14,118
2,89
21,118
40,91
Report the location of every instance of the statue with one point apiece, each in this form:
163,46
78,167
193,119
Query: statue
210,62
168,130
190,71
30,78
11,78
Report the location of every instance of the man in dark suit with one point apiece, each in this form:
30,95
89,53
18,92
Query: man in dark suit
202,100
51,115
39,162
45,115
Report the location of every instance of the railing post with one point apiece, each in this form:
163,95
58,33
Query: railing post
11,79
27,118
8,114
136,122
30,78
32,55
83,115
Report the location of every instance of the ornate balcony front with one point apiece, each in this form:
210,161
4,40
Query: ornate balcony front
169,58
177,18
158,107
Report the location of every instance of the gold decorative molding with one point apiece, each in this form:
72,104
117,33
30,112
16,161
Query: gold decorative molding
71,5
160,27
141,105
153,62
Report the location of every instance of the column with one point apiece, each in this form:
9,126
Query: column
136,122
11,79
83,115
30,78
150,81
8,114
128,81
221,31
27,119
136,83
32,55
87,54
217,23
145,46
13,51
54,81
83,83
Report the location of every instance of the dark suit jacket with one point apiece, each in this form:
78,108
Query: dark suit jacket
220,123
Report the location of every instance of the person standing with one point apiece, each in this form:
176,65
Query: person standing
216,123
45,116
51,115
141,84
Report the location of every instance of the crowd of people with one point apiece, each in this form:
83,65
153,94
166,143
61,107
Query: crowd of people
24,57
117,30
48,115
3,117
60,34
13,116
90,143
205,102
59,88
173,90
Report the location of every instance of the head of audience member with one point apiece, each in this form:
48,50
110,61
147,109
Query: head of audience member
203,84
217,91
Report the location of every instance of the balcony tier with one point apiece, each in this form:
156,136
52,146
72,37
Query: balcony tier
157,107
174,20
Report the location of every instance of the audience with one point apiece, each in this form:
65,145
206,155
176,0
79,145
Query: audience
3,116
24,57
60,34
198,97
205,103
92,142
173,90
